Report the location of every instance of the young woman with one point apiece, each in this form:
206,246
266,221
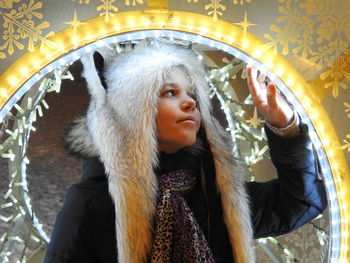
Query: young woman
160,181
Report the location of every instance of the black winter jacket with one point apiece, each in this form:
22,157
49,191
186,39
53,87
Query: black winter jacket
85,232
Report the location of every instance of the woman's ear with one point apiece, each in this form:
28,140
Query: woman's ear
99,64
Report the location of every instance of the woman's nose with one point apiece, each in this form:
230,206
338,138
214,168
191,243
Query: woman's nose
188,104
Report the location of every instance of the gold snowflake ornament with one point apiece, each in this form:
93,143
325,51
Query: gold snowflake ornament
20,24
347,106
83,1
346,145
215,6
235,2
319,32
108,8
134,2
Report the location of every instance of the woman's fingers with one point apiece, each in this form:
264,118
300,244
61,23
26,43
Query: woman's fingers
252,81
261,77
254,86
268,100
272,96
280,113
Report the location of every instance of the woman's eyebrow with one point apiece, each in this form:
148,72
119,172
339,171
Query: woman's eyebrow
176,86
170,83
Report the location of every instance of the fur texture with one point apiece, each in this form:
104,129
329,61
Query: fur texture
120,129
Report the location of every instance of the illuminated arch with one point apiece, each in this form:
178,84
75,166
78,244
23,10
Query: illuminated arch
22,74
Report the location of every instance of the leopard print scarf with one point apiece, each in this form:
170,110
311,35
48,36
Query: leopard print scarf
178,237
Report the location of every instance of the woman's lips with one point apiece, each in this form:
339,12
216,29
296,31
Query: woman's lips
189,118
188,121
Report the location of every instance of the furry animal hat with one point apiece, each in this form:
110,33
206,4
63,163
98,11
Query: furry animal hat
120,129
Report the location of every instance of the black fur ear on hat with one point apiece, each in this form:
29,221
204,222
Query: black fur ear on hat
99,64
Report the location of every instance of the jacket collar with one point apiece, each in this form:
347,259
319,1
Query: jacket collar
93,170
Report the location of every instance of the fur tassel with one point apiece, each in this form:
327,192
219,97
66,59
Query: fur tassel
230,183
78,141
97,91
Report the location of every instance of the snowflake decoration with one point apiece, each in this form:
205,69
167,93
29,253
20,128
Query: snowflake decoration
134,2
347,106
346,145
19,24
107,6
83,1
7,3
304,242
110,9
318,31
235,2
216,6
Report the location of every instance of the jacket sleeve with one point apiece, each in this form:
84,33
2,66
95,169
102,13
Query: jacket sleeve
70,238
297,196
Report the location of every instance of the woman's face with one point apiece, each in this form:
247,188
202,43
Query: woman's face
178,119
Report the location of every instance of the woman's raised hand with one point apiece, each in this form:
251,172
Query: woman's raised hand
268,100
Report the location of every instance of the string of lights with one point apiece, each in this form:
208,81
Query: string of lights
24,231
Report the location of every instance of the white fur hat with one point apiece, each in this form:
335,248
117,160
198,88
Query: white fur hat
120,129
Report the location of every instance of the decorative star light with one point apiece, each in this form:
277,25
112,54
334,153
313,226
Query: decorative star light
255,121
245,24
75,23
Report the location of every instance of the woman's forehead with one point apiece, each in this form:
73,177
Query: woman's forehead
180,78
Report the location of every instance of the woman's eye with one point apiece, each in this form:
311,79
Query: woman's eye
169,93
